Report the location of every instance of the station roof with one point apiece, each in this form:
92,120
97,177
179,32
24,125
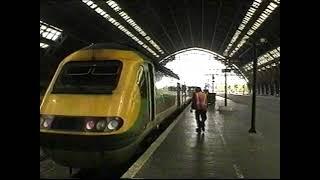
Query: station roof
161,28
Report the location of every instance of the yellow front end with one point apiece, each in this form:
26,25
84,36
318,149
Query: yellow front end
124,102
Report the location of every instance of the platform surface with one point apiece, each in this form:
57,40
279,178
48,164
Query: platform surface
224,150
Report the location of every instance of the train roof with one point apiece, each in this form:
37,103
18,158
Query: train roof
131,48
109,46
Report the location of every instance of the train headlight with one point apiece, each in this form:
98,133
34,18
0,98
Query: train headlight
90,125
114,124
46,121
101,125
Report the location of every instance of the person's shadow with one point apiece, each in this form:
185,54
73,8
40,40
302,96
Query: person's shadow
200,140
199,157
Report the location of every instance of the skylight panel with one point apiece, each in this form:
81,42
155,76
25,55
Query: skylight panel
98,10
268,10
245,20
50,36
89,3
264,15
114,5
93,6
44,45
272,6
265,58
49,32
129,20
55,37
114,22
252,10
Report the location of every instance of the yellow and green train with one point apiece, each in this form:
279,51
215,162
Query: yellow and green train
102,102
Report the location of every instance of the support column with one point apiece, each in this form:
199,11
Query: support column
263,89
275,88
225,83
278,88
254,78
243,89
271,88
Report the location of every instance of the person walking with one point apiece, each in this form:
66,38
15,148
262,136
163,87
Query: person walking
200,105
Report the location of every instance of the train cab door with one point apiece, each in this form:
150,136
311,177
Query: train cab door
144,91
150,77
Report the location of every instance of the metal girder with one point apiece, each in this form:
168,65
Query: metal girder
47,41
51,49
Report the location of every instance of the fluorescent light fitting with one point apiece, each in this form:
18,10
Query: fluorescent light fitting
98,10
102,13
273,5
241,27
93,6
89,3
124,15
263,15
44,45
55,37
247,18
252,10
113,21
255,4
259,21
116,23
276,1
269,11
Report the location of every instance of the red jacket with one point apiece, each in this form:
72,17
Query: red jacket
199,101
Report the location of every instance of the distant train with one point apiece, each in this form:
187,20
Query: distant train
102,102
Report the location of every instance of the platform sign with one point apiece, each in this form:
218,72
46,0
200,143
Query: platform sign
226,70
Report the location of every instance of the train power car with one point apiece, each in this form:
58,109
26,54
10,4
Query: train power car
102,102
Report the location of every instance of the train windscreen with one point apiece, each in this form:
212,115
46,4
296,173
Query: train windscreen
89,77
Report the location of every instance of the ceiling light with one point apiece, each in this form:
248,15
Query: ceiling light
117,24
44,45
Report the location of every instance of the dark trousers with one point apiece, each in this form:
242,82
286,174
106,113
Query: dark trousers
203,115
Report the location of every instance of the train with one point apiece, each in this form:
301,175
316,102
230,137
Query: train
102,102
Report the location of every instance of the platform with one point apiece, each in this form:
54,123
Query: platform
224,150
